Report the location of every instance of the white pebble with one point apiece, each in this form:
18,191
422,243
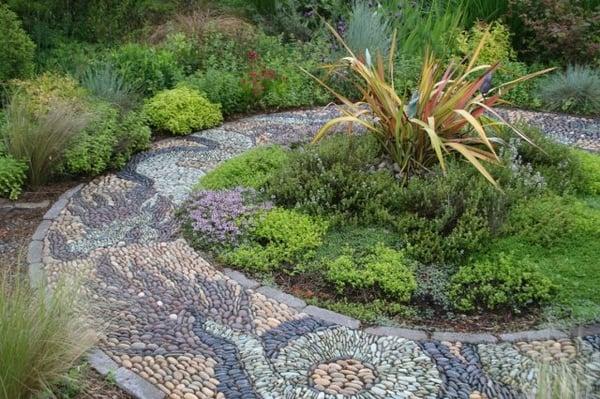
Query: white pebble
173,316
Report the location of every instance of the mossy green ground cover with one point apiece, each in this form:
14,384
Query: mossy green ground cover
571,261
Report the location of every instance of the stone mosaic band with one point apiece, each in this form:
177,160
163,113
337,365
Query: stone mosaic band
180,328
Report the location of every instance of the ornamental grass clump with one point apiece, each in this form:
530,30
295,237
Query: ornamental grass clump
446,113
220,217
42,335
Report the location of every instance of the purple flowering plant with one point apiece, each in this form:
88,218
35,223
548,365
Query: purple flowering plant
220,217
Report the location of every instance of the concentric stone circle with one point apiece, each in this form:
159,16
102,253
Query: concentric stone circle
398,364
343,376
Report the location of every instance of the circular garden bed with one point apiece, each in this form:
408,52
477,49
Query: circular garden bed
336,224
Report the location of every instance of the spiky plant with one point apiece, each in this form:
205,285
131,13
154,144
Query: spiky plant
447,114
575,90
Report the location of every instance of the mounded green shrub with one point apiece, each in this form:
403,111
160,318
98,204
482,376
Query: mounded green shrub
222,87
383,270
502,283
181,111
251,169
146,68
17,49
334,179
12,176
279,238
108,142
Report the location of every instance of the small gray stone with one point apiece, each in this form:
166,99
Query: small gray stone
538,335
101,362
41,230
241,279
34,251
282,297
32,205
56,208
59,205
583,331
465,337
136,386
331,317
415,335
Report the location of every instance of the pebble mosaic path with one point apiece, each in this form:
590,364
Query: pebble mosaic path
192,332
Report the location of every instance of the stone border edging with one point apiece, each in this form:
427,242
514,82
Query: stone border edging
408,333
124,378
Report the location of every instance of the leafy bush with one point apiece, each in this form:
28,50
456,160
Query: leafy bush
443,218
132,136
276,239
382,270
437,120
43,90
40,139
16,57
106,83
12,176
218,219
500,283
41,336
497,47
221,87
181,111
557,164
251,169
107,142
368,29
575,90
333,179
146,68
559,30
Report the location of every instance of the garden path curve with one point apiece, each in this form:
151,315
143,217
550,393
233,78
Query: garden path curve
190,330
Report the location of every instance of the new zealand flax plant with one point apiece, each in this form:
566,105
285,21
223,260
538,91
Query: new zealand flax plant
446,113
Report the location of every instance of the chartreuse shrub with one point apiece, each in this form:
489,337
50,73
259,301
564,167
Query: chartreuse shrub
500,283
42,335
12,176
251,169
181,111
277,238
16,56
383,271
498,48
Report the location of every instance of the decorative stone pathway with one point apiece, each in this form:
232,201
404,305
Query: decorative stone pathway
190,331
